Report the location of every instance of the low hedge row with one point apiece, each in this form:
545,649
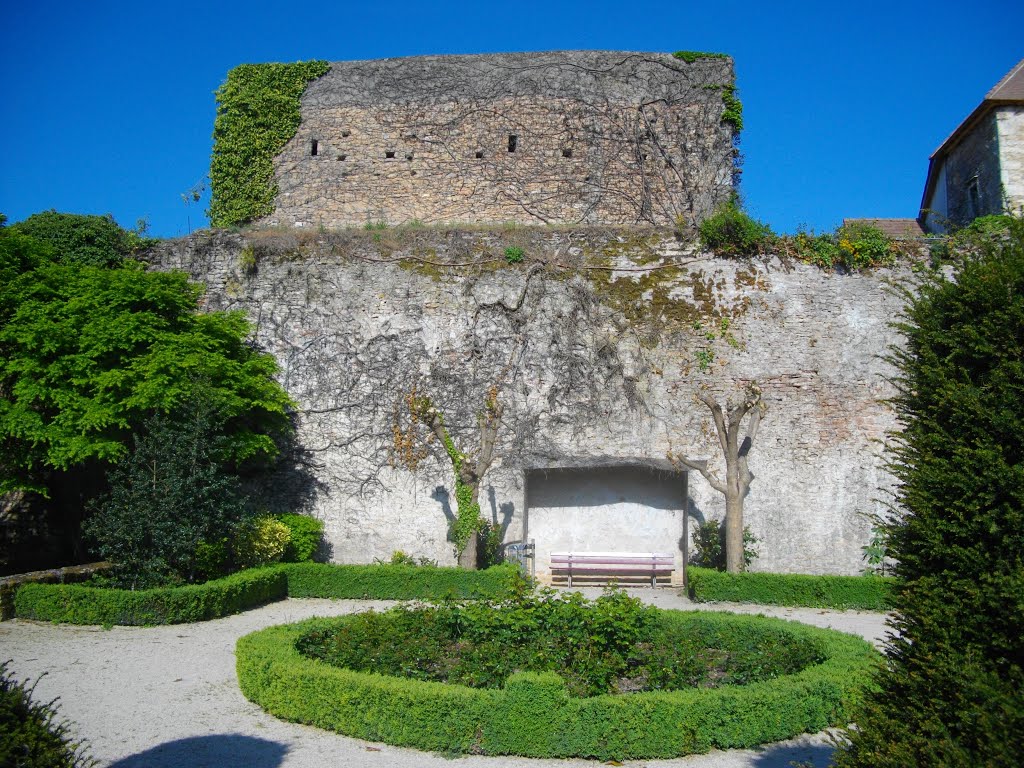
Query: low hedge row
397,582
864,593
534,716
82,604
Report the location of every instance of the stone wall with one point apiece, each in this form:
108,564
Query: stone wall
596,343
974,163
1010,128
584,136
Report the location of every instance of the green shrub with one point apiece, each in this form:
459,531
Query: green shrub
533,715
81,604
854,246
398,557
862,593
952,692
862,246
171,504
709,545
612,645
31,735
731,232
262,541
398,582
304,536
95,241
513,254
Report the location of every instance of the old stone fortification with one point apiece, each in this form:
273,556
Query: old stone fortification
596,342
581,136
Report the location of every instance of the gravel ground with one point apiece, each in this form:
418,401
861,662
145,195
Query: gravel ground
167,697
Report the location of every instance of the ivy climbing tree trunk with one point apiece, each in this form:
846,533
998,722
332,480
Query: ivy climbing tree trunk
469,470
735,445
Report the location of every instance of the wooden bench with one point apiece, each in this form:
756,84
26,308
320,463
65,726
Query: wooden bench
604,566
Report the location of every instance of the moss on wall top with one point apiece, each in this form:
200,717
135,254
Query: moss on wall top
257,114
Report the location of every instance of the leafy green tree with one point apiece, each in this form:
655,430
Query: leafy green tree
82,239
172,505
88,353
952,692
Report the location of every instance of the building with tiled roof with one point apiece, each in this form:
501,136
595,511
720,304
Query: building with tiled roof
979,169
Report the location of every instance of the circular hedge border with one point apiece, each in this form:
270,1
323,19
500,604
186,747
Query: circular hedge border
533,714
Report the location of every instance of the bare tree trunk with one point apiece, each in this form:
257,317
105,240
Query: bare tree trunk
738,476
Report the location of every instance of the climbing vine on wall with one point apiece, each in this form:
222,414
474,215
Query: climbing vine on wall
257,114
733,112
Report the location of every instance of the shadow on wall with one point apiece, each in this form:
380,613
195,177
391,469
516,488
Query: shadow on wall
442,497
227,749
500,516
697,518
506,511
794,756
292,485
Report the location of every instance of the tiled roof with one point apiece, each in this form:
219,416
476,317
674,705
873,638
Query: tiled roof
897,229
1008,90
1011,87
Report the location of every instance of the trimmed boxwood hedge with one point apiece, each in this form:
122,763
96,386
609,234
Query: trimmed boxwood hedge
863,593
82,604
397,582
533,714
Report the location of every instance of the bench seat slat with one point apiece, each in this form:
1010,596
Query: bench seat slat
612,564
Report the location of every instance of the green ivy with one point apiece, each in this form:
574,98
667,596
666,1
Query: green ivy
467,520
258,112
733,112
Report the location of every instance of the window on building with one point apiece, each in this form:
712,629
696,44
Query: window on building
513,142
314,148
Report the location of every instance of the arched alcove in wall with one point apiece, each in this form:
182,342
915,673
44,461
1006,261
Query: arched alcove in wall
625,507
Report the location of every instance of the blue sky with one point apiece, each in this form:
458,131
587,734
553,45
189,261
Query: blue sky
108,107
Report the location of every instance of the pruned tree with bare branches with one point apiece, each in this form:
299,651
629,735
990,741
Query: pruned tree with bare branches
735,443
469,468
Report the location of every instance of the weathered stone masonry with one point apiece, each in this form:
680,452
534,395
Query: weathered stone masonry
595,368
559,137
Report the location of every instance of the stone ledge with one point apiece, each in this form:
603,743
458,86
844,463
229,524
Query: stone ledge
66,575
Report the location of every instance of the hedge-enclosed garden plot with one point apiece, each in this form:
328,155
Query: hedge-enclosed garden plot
533,713
86,604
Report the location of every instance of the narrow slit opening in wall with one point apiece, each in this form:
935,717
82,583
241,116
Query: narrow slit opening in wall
390,154
314,148
513,142
479,154
566,153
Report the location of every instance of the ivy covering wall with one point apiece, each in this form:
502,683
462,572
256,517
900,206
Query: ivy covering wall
733,112
257,114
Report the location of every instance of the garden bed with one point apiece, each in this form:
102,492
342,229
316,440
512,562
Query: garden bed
89,604
755,680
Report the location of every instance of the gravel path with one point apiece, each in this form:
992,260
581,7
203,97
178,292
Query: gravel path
167,697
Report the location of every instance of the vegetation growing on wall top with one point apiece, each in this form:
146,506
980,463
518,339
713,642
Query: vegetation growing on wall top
257,114
733,113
